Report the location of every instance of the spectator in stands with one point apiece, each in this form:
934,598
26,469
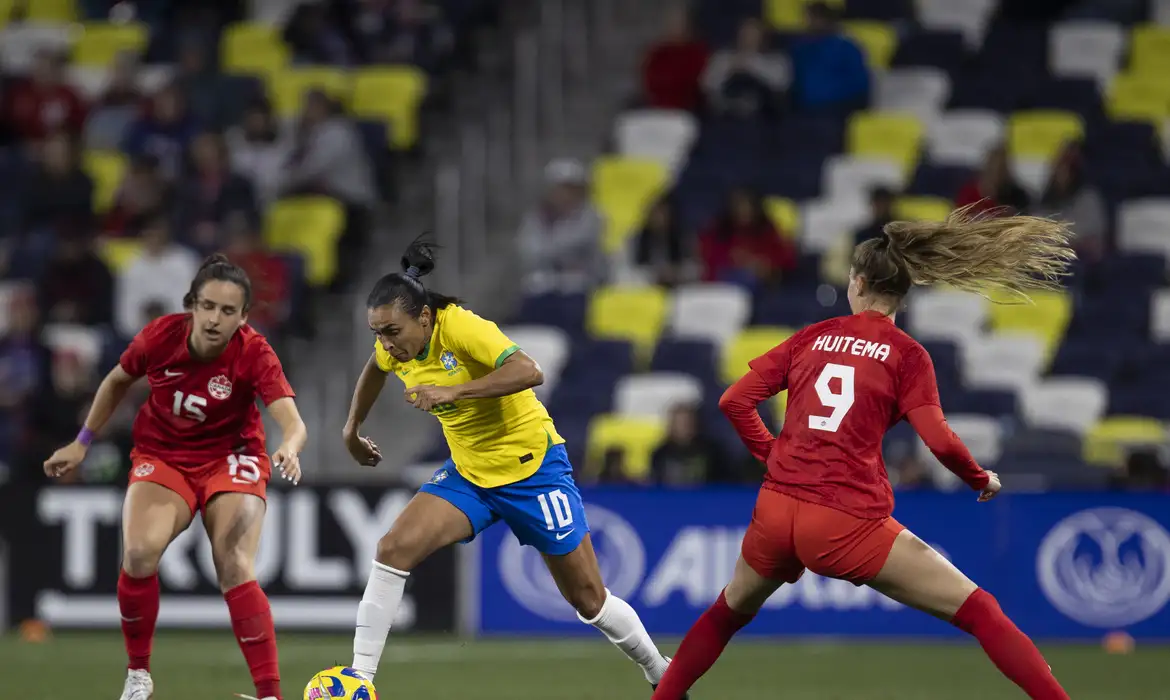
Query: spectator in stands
672,67
24,359
165,131
611,470
76,286
743,246
197,79
745,81
688,457
315,39
402,31
560,239
143,195
1144,471
43,103
271,283
1068,197
881,212
58,190
836,261
148,283
829,73
258,151
55,411
994,186
661,248
122,88
213,189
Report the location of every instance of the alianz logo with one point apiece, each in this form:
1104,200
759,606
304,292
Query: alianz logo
620,554
1106,567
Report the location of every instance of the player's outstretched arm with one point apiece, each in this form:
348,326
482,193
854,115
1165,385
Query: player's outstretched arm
294,435
740,404
109,394
930,424
369,386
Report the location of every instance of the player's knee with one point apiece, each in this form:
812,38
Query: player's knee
233,568
140,559
400,550
587,598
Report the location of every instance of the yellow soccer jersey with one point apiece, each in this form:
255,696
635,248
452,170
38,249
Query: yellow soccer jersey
494,442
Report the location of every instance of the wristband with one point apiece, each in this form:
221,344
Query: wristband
86,436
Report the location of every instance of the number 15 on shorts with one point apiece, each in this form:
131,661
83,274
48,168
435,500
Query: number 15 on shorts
244,469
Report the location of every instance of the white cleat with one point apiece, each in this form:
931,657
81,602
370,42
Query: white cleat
138,686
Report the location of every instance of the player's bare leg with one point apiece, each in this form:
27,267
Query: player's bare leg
738,603
578,577
152,516
234,522
916,575
426,525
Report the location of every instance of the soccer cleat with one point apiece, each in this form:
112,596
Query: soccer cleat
138,686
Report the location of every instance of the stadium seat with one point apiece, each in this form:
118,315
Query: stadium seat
21,42
1139,97
311,226
99,43
747,346
1046,317
825,222
634,314
1086,49
548,346
83,341
964,137
661,135
288,87
713,312
637,438
944,314
623,188
784,215
107,168
922,92
877,40
393,94
968,17
1160,316
118,253
1073,404
655,394
850,177
982,435
51,11
1002,361
1040,134
252,48
1150,49
883,135
1109,441
922,208
1141,225
788,15
1032,174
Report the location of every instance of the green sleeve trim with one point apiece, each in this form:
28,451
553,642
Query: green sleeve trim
506,354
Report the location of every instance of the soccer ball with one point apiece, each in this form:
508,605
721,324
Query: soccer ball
340,682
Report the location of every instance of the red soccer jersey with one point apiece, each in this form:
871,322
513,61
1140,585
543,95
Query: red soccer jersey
201,411
849,379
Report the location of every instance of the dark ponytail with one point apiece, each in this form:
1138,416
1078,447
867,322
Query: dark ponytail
218,267
406,288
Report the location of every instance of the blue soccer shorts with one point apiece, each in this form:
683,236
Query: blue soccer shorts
545,510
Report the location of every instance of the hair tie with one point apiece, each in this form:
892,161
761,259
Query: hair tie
412,272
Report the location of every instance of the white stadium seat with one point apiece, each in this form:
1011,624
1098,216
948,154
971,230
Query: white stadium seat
548,346
1005,361
1064,403
1086,49
82,341
662,135
970,17
1032,175
1160,13
653,395
919,91
1141,225
825,221
944,314
714,312
963,137
1160,316
982,435
20,43
846,177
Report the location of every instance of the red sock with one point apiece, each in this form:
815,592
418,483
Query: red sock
703,644
252,625
138,604
1012,652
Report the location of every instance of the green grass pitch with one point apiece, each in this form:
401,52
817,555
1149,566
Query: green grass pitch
203,665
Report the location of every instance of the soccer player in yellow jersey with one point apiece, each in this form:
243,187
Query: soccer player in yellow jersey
507,461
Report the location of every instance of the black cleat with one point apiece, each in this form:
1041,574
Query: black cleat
654,686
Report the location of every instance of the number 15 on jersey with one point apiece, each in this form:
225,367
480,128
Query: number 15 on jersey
840,401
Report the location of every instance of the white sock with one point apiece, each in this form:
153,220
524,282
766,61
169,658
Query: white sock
376,613
621,626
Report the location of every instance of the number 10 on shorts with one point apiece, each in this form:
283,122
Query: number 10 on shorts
244,469
555,504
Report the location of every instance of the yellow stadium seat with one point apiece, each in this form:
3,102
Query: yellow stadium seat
118,253
5,11
310,226
392,94
1107,443
1150,50
747,346
623,219
289,87
107,168
52,11
1046,317
623,188
252,48
784,214
886,135
634,314
99,43
922,208
637,438
876,39
789,14
1139,97
1040,134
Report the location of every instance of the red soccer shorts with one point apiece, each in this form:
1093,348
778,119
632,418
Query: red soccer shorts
788,535
231,474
